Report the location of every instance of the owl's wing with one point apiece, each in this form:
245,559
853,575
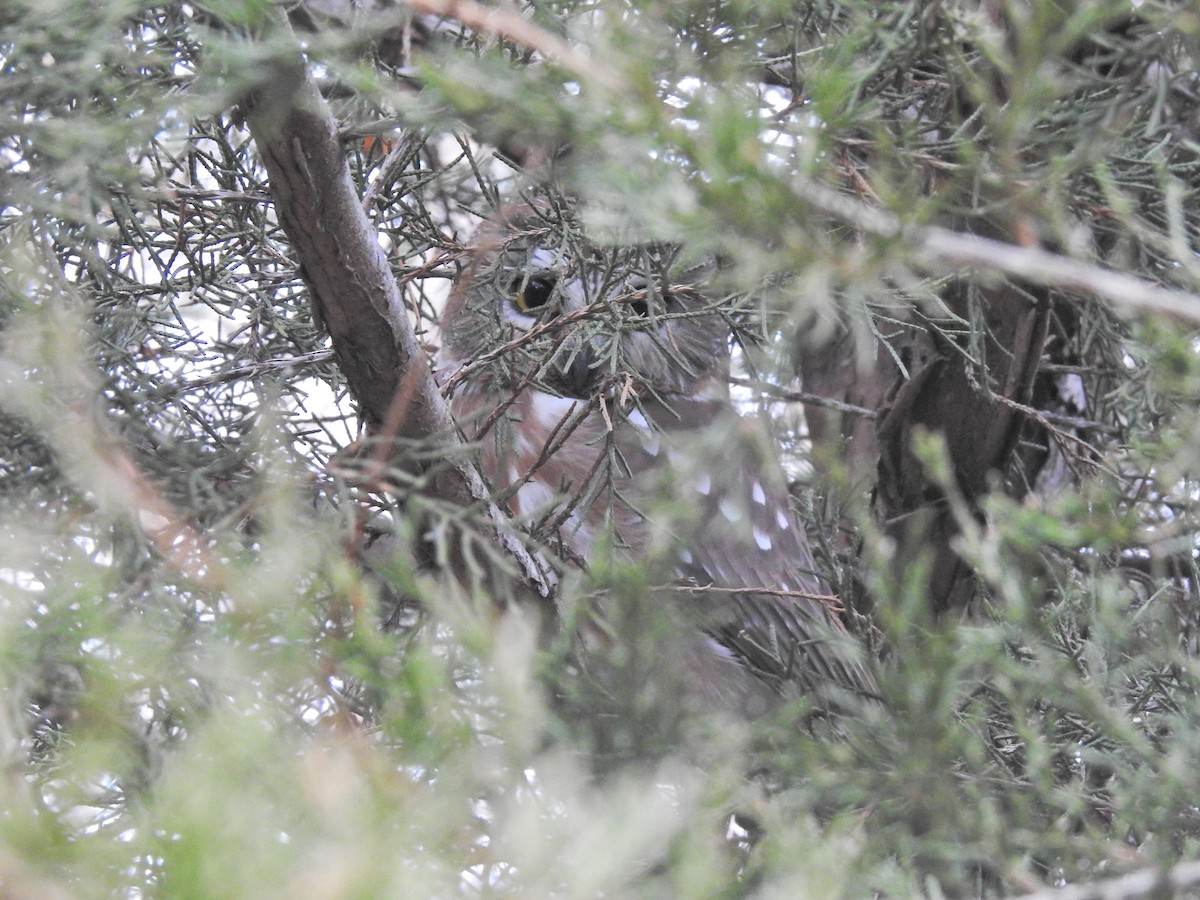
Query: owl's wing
696,469
738,535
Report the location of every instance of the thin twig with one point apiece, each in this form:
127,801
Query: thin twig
788,396
833,601
237,373
398,157
174,193
560,323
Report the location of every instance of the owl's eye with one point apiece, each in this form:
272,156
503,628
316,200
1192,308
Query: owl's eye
639,303
533,294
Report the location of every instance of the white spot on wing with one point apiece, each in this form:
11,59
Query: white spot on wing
760,496
704,484
718,649
729,509
638,420
762,539
1071,392
650,443
781,519
650,439
685,557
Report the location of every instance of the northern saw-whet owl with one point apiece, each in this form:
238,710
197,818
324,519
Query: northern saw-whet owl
598,393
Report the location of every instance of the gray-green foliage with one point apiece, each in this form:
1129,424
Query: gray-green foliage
198,701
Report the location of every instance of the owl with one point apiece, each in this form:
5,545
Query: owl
596,388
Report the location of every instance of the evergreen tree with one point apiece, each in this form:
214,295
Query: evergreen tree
263,630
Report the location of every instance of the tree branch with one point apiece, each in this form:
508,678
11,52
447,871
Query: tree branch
509,24
1147,882
938,247
356,296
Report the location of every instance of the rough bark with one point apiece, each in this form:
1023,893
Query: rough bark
957,391
355,295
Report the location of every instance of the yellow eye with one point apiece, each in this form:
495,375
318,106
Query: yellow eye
534,294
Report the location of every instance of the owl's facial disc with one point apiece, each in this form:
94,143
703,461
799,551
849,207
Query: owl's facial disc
590,314
622,332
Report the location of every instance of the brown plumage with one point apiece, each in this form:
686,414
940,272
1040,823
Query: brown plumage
597,390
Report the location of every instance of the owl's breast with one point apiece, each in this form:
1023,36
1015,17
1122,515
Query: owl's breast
553,462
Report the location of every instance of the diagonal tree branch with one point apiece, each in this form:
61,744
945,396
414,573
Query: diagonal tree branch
356,296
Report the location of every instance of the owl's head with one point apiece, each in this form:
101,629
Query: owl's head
539,305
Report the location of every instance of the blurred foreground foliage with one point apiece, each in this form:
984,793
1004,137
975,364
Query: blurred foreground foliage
198,698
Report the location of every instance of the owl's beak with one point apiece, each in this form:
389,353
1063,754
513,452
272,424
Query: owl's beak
579,374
